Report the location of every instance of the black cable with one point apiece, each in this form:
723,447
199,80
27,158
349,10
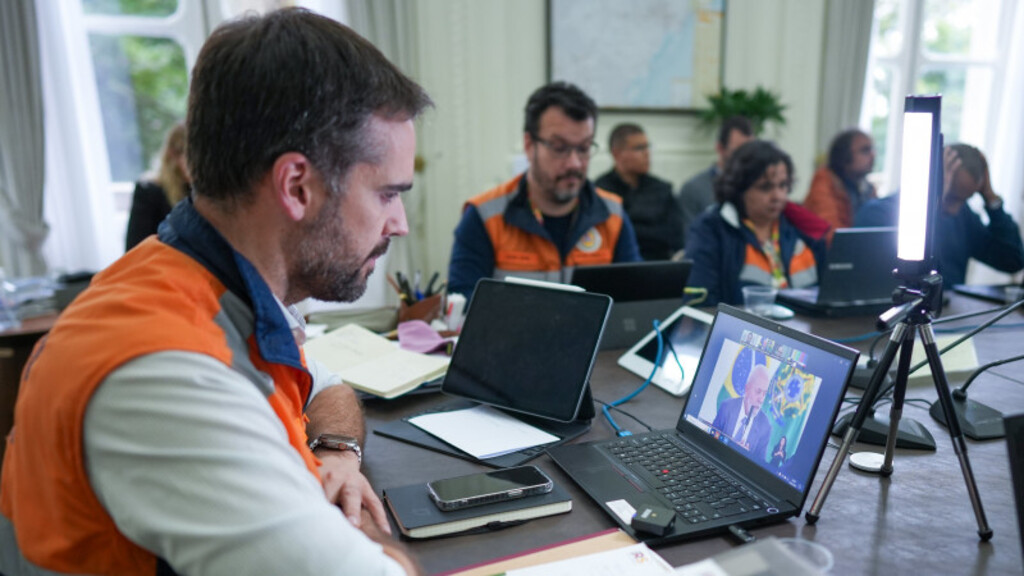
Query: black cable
624,413
1002,312
961,392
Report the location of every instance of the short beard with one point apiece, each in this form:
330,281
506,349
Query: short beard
324,266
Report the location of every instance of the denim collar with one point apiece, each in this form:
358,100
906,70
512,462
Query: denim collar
187,231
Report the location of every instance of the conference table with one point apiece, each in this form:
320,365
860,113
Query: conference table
919,520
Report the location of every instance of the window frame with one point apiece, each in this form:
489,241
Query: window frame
909,62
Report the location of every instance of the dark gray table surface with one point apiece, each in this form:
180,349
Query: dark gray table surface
918,521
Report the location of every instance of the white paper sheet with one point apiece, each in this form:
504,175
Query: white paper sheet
482,431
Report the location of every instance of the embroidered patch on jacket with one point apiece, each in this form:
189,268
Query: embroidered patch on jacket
590,242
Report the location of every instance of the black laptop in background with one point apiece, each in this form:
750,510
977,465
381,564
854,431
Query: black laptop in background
712,474
641,292
990,292
857,279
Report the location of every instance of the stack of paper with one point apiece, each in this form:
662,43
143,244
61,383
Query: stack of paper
372,363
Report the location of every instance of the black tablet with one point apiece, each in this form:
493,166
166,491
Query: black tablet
528,348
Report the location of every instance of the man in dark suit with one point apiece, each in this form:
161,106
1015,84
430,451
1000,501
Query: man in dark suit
742,419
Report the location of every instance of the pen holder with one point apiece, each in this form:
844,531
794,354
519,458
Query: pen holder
427,309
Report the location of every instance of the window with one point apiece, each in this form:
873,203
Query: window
951,47
138,50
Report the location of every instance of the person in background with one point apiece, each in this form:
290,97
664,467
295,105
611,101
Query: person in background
748,239
698,193
648,200
841,187
545,222
960,234
153,199
169,422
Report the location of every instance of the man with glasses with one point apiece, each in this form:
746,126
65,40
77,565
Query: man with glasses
543,223
648,200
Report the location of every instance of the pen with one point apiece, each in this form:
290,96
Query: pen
430,285
416,286
404,283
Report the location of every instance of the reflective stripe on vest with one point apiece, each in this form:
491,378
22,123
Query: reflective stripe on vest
521,253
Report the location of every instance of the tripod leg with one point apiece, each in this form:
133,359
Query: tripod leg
865,407
959,445
898,396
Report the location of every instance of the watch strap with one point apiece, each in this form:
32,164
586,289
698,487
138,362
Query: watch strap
338,442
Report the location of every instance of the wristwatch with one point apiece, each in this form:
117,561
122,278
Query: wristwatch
337,442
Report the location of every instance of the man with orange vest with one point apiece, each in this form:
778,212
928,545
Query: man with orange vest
542,224
169,423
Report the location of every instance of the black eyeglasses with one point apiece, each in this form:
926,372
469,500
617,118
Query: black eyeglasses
561,150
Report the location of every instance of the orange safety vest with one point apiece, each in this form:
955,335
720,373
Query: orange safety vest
153,299
518,252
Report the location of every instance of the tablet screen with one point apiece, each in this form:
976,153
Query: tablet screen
528,349
687,335
686,329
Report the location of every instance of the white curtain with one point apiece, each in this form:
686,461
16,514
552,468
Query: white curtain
22,229
391,26
847,40
79,207
1007,157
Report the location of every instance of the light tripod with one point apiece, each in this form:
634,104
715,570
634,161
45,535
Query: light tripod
914,305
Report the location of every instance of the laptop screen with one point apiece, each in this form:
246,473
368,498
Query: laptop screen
635,281
768,392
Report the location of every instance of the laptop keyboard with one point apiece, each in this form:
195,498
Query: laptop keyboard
691,483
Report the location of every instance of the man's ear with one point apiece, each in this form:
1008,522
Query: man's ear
293,178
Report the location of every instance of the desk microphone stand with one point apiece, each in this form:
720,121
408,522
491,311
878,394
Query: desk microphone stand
912,310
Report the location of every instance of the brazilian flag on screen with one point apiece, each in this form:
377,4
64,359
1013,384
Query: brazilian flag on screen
789,401
736,381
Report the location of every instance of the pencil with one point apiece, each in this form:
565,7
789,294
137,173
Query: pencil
401,295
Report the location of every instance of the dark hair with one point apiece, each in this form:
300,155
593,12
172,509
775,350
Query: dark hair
573,101
288,81
971,159
840,152
738,123
745,167
621,133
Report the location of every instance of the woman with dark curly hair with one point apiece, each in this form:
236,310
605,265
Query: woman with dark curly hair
748,239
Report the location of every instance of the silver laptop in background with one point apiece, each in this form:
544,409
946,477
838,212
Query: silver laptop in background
642,292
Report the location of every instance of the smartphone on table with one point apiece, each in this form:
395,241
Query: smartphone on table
488,487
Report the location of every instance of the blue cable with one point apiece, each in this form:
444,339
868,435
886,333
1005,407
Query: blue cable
619,431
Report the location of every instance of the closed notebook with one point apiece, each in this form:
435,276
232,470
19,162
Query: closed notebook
372,363
418,517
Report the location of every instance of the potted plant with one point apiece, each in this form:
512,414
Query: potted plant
759,106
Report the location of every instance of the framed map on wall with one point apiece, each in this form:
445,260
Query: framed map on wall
638,55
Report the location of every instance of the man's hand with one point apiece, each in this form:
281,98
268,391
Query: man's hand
345,486
372,529
985,186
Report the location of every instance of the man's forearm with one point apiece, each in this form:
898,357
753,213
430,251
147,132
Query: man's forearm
336,410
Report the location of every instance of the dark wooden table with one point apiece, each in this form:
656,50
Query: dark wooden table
918,521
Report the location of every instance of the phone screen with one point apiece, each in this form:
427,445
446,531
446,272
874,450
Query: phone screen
490,486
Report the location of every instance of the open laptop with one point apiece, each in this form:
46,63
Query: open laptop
990,292
857,279
743,484
642,292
